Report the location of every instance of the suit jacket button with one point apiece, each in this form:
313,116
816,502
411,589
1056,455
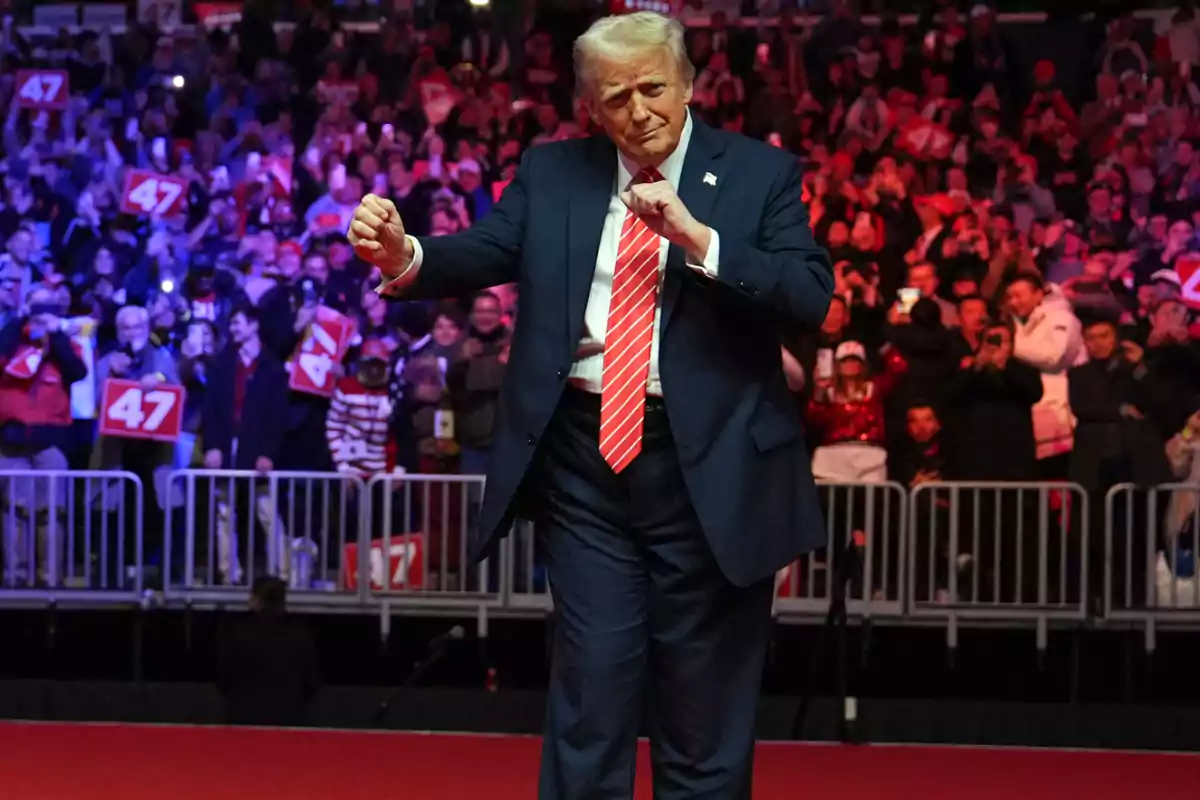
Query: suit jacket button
531,440
562,373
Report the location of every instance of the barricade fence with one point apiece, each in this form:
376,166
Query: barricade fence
950,552
1151,539
71,535
864,545
226,528
414,545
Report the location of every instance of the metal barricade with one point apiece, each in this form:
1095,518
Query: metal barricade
865,527
71,536
1151,538
998,551
414,545
229,527
526,588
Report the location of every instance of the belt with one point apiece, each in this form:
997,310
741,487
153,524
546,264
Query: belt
589,401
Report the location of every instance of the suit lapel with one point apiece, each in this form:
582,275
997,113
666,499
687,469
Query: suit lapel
589,197
698,186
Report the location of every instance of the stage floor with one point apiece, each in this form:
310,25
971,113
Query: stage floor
40,761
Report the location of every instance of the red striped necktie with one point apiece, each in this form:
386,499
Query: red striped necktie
627,342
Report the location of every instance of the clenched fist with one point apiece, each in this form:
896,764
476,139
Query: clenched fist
660,208
377,235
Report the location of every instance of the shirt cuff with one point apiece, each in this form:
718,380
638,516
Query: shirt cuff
712,258
393,287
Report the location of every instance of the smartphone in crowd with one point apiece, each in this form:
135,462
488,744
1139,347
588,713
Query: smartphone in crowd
337,177
195,337
907,298
824,364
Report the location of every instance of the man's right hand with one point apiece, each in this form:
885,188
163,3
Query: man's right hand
212,459
377,235
119,364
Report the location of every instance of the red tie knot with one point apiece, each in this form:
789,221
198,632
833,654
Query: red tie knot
650,175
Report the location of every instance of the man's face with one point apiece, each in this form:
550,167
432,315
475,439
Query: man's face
339,255
1022,298
134,334
923,278
485,315
442,224
445,331
923,424
241,329
1180,234
368,166
839,234
1157,227
1170,316
317,268
1001,227
468,180
1101,341
972,315
20,245
398,176
1100,264
641,104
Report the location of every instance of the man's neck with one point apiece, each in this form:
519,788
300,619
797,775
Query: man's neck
250,350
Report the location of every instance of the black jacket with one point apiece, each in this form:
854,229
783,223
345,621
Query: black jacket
267,670
1097,391
261,429
991,422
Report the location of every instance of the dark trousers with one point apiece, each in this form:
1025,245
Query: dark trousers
644,621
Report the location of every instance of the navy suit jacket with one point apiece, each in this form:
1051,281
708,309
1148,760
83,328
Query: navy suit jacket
736,427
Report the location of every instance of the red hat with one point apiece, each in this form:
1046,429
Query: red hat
375,349
293,246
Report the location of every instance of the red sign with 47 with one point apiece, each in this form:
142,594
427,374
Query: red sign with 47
323,346
43,88
150,194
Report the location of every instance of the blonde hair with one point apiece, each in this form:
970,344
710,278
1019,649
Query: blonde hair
624,36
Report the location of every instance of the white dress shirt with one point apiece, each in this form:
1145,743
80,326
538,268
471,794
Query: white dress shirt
588,370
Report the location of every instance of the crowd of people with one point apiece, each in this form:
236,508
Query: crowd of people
1016,266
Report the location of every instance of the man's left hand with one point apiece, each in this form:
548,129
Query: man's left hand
148,382
664,213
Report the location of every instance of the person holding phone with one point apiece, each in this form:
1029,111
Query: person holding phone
988,406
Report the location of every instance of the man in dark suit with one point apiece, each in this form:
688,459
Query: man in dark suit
645,420
242,421
1117,400
242,424
266,662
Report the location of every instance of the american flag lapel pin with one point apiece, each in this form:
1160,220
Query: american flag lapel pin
710,179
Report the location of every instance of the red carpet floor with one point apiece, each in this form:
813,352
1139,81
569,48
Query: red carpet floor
128,762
